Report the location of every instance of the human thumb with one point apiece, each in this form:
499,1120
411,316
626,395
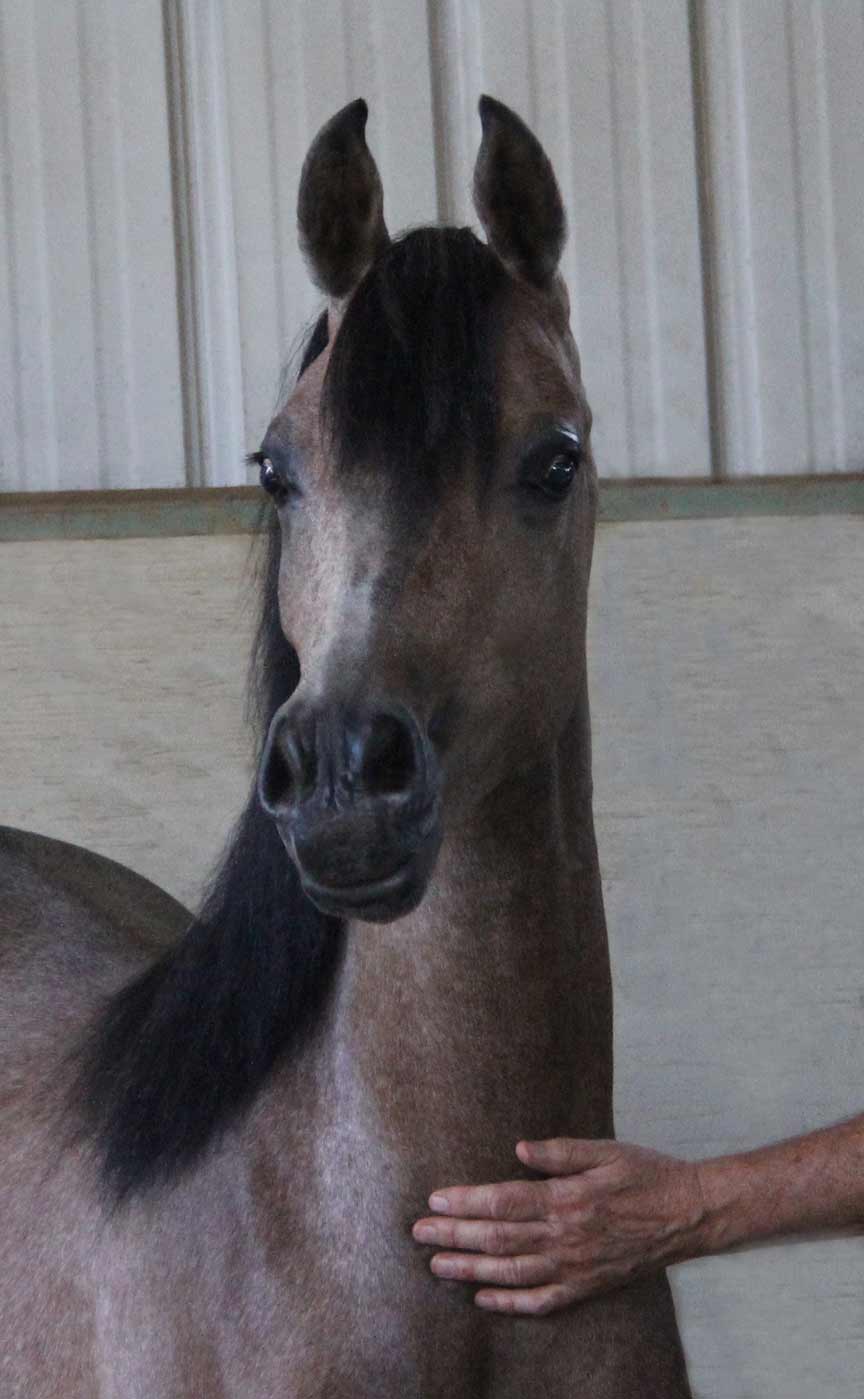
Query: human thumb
564,1155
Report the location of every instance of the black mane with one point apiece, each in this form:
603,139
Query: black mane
178,1054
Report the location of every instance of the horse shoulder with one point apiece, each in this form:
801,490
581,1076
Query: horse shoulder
74,926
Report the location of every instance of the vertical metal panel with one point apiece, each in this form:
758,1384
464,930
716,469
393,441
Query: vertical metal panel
785,115
287,69
28,449
608,89
90,390
206,244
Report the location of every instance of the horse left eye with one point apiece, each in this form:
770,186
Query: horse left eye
554,477
559,473
551,465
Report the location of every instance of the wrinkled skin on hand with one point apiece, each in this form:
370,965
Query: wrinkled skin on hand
608,1213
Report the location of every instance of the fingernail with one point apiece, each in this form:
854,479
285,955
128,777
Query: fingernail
438,1202
424,1232
443,1267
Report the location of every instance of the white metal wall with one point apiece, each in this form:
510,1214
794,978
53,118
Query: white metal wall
150,285
90,385
785,124
607,88
288,68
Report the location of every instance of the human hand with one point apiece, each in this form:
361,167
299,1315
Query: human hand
610,1212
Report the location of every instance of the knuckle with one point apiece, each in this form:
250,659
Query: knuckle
484,1203
552,1268
582,1215
567,1295
556,1265
497,1238
591,1212
580,1292
584,1260
556,1228
560,1190
507,1205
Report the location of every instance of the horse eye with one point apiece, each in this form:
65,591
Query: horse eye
560,472
271,481
557,474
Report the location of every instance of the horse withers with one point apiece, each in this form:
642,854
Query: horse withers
216,1133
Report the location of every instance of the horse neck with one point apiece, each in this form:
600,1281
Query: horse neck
485,1015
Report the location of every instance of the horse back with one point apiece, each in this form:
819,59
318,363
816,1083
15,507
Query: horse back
73,927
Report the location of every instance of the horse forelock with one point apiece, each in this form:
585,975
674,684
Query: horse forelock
410,386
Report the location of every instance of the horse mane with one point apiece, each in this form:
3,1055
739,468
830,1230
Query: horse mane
176,1057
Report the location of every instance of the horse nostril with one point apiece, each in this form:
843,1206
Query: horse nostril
389,759
277,781
330,756
288,770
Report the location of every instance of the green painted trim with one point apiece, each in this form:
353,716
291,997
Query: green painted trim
237,509
129,514
690,499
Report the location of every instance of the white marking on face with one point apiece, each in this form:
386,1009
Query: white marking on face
339,593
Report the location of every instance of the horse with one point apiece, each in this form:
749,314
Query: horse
216,1132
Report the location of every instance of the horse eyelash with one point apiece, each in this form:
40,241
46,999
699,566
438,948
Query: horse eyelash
254,459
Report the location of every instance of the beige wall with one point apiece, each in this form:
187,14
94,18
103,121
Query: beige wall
727,662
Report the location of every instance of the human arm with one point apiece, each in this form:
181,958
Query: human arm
797,1186
609,1212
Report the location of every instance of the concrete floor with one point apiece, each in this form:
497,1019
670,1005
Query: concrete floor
727,666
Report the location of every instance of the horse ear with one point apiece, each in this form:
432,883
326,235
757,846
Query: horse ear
340,205
516,195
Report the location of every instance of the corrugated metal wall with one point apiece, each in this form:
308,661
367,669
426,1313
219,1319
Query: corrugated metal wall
710,156
90,383
785,126
607,87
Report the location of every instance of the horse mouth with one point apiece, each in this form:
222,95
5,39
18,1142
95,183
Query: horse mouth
359,894
382,899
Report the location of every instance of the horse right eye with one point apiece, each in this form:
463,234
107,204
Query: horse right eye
275,482
270,479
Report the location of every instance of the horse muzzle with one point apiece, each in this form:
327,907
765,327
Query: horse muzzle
354,792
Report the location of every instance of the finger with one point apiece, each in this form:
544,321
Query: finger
567,1155
533,1301
487,1236
524,1271
513,1199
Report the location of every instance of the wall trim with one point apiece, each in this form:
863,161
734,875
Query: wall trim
238,509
